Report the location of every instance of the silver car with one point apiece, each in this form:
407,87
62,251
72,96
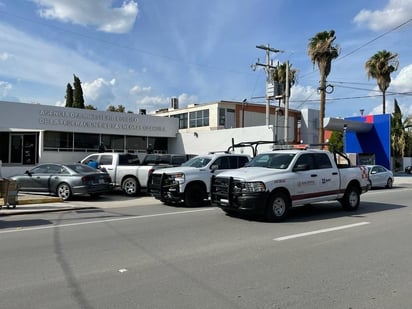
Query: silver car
64,180
380,176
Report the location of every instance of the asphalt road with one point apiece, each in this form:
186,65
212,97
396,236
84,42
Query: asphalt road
142,254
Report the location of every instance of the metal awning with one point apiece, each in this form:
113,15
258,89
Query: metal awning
339,124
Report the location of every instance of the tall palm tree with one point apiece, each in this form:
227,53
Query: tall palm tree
322,51
380,66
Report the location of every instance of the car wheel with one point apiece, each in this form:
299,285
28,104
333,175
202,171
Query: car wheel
351,199
389,183
278,207
130,186
64,191
195,195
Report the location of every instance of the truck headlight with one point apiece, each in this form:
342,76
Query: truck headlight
250,187
179,177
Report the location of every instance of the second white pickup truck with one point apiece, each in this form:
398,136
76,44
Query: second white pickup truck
275,181
124,169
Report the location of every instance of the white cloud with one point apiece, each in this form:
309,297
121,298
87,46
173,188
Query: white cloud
98,13
135,90
395,13
5,88
4,56
99,93
185,99
302,96
402,82
157,101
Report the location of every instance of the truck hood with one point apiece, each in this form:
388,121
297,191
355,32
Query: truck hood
179,169
252,173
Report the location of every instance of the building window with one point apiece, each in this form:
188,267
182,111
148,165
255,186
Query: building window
85,141
58,141
182,120
113,142
199,118
222,116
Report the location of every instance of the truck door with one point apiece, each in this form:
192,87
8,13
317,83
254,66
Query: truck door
329,179
305,179
106,162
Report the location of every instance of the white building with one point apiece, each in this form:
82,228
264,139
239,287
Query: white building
34,133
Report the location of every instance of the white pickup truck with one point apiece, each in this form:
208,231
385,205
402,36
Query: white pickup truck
124,169
190,182
275,181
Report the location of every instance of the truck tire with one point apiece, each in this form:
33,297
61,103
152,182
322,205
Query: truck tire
131,186
195,195
350,201
278,207
64,191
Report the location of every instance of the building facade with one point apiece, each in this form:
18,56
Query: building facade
35,133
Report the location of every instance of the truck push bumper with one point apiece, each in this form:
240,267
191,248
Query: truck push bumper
163,188
224,196
255,203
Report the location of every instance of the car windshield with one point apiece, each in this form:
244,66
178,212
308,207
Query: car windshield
197,162
272,160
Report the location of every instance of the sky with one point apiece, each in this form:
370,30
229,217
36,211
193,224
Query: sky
141,53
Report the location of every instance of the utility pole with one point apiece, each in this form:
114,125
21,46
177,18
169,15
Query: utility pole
287,103
267,66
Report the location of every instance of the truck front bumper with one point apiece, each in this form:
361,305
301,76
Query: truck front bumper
246,203
163,188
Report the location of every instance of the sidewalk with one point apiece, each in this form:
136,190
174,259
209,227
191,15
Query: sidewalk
30,203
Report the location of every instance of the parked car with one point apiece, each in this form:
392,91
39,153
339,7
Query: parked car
380,176
408,169
125,170
275,181
64,180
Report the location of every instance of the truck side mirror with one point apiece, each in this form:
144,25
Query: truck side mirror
301,167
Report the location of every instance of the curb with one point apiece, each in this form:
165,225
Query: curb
14,211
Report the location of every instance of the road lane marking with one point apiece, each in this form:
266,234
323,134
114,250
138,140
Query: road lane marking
321,231
22,229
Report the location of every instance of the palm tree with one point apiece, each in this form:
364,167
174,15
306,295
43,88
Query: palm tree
278,75
380,66
322,51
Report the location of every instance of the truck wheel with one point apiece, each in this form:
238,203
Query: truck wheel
351,199
278,207
64,191
194,195
130,186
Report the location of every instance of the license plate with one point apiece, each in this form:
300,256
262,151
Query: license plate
101,180
225,201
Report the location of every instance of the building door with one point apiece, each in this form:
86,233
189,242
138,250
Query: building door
23,148
230,119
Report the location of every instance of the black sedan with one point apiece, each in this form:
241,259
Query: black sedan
64,180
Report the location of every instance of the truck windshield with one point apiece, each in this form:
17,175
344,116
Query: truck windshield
272,160
197,162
